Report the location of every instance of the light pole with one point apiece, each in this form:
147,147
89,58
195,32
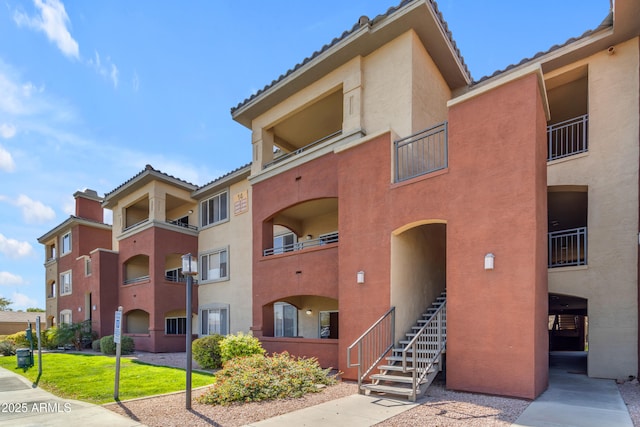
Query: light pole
189,269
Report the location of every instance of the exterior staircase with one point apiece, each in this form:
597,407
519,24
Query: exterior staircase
412,365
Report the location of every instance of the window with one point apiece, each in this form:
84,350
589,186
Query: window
213,266
175,326
65,317
174,275
52,290
65,283
65,243
87,266
329,324
214,321
284,243
214,210
285,317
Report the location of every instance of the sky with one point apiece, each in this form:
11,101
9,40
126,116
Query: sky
92,91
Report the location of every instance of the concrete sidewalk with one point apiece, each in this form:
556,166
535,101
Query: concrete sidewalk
22,404
576,400
354,411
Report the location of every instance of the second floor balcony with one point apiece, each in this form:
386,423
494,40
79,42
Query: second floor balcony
421,153
568,138
568,248
290,246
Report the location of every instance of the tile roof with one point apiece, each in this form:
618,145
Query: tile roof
147,169
224,176
21,316
362,21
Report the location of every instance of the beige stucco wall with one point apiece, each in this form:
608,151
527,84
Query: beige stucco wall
235,235
610,170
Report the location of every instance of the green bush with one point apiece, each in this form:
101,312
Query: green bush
19,339
206,351
95,345
107,346
7,348
255,378
239,345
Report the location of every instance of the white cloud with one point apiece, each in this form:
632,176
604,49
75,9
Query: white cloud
22,301
13,248
7,131
33,212
53,20
69,206
108,70
6,161
10,279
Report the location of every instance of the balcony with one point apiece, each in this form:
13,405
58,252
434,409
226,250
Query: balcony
324,239
421,153
568,138
568,248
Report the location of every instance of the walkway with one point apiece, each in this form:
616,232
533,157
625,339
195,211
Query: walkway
573,399
21,404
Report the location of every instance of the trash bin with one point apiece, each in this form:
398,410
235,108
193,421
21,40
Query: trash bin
24,357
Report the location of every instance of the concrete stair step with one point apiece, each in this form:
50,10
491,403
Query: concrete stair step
402,391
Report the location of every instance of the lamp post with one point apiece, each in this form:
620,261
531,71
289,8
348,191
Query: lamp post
189,269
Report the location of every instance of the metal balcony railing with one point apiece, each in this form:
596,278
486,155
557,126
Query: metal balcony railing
568,248
568,138
297,246
135,280
181,224
421,153
300,150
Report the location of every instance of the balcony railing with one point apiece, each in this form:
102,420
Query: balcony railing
568,138
129,227
421,153
181,224
297,246
136,280
568,248
300,150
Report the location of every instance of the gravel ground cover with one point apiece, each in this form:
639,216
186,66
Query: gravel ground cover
440,407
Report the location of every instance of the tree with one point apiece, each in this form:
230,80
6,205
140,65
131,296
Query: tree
35,310
5,303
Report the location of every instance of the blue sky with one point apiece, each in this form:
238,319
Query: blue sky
92,91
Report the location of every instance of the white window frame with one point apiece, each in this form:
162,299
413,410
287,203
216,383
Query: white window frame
177,325
280,309
64,284
65,249
64,314
205,266
209,204
223,322
178,275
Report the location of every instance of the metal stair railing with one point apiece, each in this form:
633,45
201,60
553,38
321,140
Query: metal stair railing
426,348
373,345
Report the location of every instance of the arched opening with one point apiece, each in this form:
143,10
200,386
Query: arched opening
137,322
136,269
568,333
418,270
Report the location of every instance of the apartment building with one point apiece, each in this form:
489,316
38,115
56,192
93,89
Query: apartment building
93,268
405,215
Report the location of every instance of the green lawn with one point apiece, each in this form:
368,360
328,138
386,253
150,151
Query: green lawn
91,378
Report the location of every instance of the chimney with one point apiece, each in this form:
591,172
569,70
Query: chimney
89,205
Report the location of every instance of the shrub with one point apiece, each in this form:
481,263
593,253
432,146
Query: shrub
7,348
95,345
239,345
206,351
19,339
257,377
107,346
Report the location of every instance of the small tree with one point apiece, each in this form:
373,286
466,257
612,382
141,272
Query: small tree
5,303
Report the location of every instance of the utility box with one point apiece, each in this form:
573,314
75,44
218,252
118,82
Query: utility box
25,358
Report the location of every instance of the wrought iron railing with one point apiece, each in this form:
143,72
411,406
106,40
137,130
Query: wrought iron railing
568,137
182,224
373,345
425,349
128,227
300,150
136,280
568,248
421,153
303,244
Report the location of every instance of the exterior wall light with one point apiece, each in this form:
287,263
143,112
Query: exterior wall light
360,277
309,312
488,261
